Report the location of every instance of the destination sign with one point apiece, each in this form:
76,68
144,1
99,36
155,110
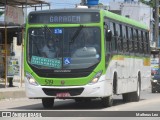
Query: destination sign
46,62
69,17
65,19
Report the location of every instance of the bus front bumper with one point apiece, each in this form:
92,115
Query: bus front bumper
99,89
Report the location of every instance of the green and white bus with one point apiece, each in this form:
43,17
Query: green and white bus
95,54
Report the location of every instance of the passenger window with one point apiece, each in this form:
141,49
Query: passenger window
124,37
135,38
119,37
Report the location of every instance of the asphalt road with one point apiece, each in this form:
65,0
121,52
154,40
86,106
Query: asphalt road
149,102
68,108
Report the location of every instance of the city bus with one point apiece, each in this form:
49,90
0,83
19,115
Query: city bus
85,54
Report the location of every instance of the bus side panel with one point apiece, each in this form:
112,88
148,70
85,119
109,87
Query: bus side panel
127,69
146,74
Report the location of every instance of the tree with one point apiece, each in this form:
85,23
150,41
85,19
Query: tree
151,3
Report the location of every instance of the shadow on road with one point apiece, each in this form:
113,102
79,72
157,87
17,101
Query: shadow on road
71,105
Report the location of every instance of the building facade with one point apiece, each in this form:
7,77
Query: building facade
137,11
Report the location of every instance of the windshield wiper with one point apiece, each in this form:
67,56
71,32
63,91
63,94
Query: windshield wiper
75,35
49,30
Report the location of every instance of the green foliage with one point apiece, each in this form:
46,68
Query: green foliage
151,3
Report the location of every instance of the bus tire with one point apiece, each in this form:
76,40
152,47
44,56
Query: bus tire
136,95
153,90
107,101
47,102
125,97
115,83
133,96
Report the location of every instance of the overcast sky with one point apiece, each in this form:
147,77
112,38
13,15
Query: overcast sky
68,3
71,3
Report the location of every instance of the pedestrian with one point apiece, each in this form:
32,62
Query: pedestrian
50,50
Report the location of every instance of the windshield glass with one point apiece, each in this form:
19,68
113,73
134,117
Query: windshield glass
63,48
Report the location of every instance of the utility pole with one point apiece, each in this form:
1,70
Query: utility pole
156,35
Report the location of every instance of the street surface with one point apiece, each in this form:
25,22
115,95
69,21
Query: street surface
149,102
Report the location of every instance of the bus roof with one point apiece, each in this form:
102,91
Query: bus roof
104,12
124,19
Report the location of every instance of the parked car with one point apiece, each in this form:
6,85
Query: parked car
155,82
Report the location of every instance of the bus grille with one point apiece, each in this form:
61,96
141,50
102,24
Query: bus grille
54,91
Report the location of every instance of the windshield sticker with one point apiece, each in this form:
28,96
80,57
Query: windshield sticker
67,61
46,62
57,31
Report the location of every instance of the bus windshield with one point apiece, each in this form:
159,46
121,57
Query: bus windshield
63,48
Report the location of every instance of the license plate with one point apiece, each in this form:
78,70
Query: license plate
60,95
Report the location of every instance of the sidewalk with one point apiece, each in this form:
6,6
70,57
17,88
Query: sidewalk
12,92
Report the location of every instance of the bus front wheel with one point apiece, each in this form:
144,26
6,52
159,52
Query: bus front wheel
107,101
47,102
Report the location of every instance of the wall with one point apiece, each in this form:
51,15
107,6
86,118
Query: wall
137,11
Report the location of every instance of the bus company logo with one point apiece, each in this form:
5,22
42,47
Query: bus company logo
6,114
62,82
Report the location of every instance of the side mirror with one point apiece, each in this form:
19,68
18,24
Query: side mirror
19,38
108,35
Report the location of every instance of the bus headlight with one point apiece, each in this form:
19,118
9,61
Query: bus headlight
96,78
31,79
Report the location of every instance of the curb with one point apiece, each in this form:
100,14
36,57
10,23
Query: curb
7,93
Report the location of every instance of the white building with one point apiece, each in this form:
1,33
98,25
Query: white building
135,10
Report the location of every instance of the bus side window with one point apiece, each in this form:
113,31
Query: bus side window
118,38
140,41
110,44
143,42
127,39
130,40
135,39
107,41
124,39
111,28
113,42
